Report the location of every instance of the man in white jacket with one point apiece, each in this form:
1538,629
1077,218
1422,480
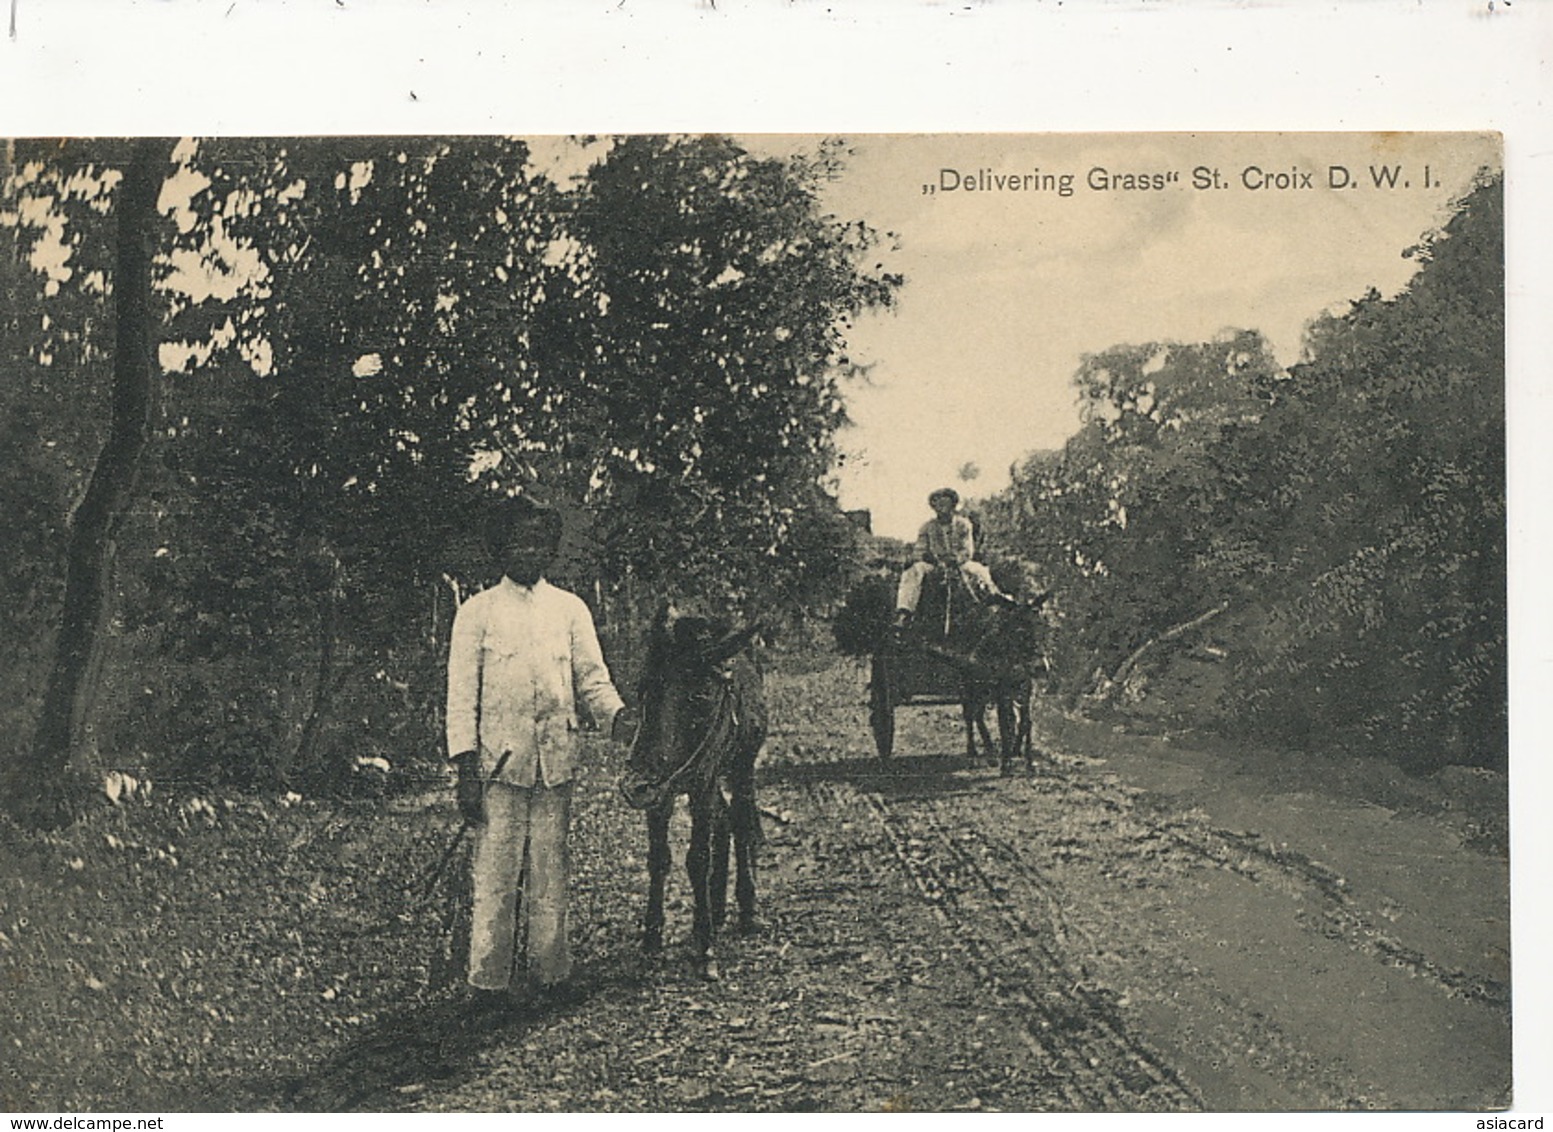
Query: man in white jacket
524,654
947,541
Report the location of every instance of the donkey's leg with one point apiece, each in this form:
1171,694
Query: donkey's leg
717,880
657,873
1008,732
745,820
973,705
1022,708
981,729
698,861
970,709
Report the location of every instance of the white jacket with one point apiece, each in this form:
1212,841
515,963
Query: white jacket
521,659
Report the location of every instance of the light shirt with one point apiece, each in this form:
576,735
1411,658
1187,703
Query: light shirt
521,659
953,541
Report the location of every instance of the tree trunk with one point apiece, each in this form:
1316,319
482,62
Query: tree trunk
89,557
325,679
306,755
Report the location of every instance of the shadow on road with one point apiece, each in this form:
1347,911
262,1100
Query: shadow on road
430,1045
436,1043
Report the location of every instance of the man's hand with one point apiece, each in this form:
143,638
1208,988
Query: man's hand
623,730
471,791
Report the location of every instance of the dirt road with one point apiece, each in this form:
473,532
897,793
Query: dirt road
1139,926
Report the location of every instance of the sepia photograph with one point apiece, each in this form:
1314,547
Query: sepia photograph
900,622
950,619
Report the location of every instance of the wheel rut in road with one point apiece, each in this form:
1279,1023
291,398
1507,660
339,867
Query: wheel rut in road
972,847
986,899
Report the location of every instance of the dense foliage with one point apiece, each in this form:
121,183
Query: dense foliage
1347,515
364,342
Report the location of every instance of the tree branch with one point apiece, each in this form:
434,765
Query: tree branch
1127,666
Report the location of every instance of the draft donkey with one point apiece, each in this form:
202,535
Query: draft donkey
999,649
703,723
1000,674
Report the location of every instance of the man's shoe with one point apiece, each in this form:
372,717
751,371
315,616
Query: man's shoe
484,1007
555,996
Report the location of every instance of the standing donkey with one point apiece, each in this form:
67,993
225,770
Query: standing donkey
703,723
1000,670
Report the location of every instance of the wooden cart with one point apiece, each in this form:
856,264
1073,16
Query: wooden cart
902,674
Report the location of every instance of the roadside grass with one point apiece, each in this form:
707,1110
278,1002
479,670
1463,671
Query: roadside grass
181,952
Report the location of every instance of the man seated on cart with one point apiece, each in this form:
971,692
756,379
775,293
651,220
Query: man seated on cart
948,541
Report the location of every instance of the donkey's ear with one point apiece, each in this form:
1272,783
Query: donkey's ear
730,646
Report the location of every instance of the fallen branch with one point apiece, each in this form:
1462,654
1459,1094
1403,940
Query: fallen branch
1119,678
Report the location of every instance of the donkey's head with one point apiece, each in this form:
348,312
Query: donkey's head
1015,639
685,699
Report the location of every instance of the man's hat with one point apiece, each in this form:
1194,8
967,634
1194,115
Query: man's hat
945,493
511,513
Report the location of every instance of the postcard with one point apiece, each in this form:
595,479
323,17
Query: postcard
754,622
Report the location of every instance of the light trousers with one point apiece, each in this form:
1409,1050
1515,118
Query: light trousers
521,848
909,593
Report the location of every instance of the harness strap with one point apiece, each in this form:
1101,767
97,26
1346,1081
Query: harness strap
645,793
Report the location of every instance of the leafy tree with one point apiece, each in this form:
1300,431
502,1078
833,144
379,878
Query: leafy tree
364,341
463,330
1348,513
330,479
37,780
1387,624
55,333
720,295
1141,522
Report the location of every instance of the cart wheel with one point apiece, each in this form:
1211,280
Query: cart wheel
881,707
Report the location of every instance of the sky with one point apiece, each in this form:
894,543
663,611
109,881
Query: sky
1007,289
